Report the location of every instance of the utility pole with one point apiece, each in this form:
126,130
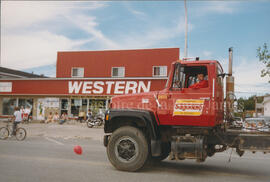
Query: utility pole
186,30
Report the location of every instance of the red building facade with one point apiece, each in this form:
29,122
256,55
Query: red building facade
88,79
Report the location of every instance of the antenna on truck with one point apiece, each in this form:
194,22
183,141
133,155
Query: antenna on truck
186,30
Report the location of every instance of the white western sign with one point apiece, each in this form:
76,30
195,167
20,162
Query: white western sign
108,87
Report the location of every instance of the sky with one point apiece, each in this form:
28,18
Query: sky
32,32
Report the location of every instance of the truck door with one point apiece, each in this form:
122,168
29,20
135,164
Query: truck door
186,105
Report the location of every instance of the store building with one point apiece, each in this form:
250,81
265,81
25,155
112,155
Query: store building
88,79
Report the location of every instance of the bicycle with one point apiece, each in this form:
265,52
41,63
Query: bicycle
7,131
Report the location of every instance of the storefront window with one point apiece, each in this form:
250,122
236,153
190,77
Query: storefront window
26,103
75,106
78,105
97,105
9,105
84,105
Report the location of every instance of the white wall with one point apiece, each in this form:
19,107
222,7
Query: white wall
266,104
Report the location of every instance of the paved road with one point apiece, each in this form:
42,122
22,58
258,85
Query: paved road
51,158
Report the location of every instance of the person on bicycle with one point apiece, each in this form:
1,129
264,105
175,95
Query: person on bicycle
17,119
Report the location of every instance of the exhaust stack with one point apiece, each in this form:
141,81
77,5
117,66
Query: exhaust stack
230,61
230,90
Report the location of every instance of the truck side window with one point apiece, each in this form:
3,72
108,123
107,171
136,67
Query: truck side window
186,76
197,77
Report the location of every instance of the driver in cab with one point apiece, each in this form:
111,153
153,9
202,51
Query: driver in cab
201,82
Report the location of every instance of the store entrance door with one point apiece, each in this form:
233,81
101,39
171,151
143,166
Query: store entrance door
64,106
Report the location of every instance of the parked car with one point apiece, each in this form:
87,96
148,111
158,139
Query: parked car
238,122
267,120
255,124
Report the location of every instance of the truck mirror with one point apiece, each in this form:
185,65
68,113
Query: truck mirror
222,75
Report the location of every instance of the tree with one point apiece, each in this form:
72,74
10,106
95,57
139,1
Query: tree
264,56
246,104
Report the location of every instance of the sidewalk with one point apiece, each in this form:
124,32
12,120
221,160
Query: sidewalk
65,131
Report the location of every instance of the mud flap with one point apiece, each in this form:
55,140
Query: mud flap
106,140
156,148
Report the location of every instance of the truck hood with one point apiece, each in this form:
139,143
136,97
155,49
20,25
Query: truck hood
135,101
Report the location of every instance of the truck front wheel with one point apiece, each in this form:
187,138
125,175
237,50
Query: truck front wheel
127,149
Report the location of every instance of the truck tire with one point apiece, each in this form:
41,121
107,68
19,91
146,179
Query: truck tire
127,149
166,149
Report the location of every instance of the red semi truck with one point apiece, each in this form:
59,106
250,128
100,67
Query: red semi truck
181,121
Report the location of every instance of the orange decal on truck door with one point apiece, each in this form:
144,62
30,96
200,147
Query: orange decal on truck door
188,107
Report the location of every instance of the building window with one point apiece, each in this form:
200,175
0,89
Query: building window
118,72
97,105
77,72
159,70
77,106
9,105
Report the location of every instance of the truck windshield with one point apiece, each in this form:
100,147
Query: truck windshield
168,79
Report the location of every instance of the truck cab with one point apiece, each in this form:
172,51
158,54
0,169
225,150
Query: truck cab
181,104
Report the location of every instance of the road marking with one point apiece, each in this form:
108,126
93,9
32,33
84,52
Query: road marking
244,157
52,159
54,141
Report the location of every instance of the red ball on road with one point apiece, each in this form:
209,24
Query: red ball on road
78,149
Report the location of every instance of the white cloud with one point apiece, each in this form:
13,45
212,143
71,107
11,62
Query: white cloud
33,49
153,36
248,77
23,46
136,12
25,13
89,25
207,53
215,7
220,7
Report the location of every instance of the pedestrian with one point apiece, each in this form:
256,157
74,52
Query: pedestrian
22,111
49,118
26,114
17,118
89,114
64,118
56,117
81,116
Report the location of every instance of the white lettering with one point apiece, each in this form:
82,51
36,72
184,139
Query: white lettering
113,87
131,85
98,88
109,87
87,85
143,88
118,87
75,87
